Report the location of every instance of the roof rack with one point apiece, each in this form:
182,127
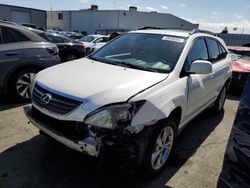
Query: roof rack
195,31
7,22
149,27
170,28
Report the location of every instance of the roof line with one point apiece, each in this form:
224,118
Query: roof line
14,6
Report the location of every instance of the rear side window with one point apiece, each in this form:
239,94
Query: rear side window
197,52
223,52
10,35
55,39
214,54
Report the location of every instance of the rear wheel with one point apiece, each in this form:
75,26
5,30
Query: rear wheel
18,86
220,101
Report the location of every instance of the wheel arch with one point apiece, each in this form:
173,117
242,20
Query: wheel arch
16,70
175,114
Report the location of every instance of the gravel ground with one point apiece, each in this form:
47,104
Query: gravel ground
28,159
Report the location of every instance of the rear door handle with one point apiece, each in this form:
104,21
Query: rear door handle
11,53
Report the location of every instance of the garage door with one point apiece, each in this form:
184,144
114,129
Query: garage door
20,16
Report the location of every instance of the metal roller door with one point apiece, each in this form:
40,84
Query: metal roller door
20,16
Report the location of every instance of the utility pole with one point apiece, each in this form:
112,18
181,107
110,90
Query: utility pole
51,14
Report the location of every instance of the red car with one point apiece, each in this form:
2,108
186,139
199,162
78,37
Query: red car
240,68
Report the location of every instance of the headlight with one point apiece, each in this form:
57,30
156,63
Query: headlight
113,116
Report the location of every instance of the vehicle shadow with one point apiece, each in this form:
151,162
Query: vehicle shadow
233,97
39,162
8,103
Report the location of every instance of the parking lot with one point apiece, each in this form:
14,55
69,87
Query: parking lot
28,159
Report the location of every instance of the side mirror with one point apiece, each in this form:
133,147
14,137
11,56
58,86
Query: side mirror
201,67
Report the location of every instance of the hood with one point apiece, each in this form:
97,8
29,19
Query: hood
98,82
241,66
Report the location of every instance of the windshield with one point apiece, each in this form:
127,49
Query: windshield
243,55
154,52
87,38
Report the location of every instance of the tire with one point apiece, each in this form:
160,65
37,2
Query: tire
18,86
71,57
220,101
157,157
87,51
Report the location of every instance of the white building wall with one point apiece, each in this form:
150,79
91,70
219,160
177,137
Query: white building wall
37,17
134,19
91,21
54,23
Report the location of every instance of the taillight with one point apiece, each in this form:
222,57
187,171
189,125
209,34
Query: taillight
53,50
82,45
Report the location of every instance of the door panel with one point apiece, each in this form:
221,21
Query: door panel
199,86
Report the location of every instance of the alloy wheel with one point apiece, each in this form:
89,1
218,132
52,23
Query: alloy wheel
222,98
162,148
22,85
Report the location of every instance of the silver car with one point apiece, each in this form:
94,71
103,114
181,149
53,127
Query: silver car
22,54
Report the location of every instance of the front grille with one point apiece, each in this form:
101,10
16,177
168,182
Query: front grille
69,129
57,104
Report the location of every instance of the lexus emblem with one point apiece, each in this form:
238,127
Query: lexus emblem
45,99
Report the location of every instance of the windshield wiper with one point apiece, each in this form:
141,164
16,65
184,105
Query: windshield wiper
102,60
136,66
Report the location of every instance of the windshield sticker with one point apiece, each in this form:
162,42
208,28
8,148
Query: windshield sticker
173,39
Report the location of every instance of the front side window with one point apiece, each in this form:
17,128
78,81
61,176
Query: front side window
197,52
152,52
213,50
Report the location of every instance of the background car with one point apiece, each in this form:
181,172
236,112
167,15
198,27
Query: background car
69,49
28,25
97,46
74,35
240,68
91,40
236,166
22,55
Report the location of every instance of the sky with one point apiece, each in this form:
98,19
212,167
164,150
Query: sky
213,15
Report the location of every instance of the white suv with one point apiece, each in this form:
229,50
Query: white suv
132,97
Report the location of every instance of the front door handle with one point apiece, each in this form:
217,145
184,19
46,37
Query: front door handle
11,53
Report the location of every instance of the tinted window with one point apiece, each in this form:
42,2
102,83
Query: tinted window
223,52
44,36
198,52
11,35
145,51
213,50
55,39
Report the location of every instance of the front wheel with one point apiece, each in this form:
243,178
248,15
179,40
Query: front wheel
160,148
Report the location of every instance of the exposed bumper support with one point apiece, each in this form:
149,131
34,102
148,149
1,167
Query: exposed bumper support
88,146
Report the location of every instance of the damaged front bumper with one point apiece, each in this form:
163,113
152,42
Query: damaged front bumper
88,145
